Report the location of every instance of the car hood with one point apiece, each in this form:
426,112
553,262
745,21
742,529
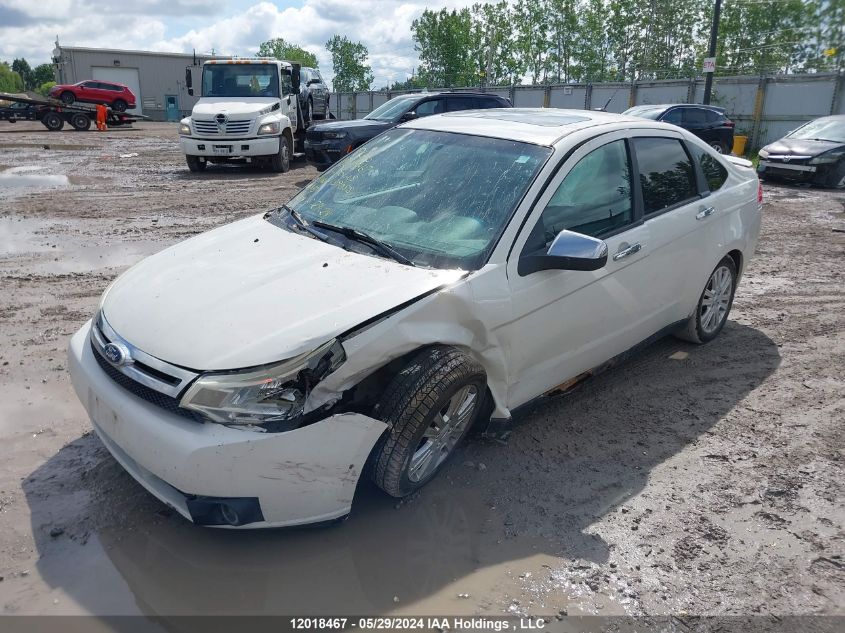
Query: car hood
251,293
357,126
801,147
231,106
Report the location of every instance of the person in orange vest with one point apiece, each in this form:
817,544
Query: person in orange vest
102,111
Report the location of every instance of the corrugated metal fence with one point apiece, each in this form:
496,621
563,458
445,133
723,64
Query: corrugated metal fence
764,108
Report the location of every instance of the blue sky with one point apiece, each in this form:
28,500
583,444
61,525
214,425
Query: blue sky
28,29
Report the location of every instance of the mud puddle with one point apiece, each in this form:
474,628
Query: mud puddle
31,177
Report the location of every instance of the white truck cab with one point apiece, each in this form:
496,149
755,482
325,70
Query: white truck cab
248,111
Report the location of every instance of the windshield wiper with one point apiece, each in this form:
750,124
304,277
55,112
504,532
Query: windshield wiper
360,236
304,224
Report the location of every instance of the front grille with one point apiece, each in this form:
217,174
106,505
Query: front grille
231,127
313,135
789,160
142,391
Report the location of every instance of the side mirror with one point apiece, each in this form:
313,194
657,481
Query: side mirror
295,77
189,80
311,82
569,251
408,116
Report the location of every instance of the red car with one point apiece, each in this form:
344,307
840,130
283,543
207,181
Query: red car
116,96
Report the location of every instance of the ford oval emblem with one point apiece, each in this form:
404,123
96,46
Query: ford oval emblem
117,354
221,119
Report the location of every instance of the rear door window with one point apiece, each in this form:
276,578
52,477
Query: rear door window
666,173
673,116
455,104
432,106
694,116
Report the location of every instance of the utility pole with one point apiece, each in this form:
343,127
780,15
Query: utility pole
714,34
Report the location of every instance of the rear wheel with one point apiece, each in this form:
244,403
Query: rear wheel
194,163
719,146
280,162
713,306
430,405
80,122
119,105
67,97
53,122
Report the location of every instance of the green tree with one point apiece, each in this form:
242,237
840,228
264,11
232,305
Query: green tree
21,66
351,74
563,32
10,81
42,74
492,49
280,48
531,34
444,40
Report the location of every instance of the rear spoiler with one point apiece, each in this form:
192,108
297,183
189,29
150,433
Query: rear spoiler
736,160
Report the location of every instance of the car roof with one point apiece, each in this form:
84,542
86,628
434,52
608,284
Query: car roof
541,126
462,93
666,106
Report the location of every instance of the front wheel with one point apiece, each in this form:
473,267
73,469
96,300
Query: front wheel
194,163
836,178
280,163
430,405
67,97
713,306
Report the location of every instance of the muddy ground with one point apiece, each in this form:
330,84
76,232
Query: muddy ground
690,480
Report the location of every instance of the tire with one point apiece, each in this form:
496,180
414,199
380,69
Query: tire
80,122
430,405
836,177
119,105
308,116
280,163
194,163
53,122
701,326
67,97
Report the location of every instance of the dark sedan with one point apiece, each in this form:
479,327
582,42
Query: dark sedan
813,153
326,143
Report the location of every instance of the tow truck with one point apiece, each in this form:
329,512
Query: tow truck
53,114
248,112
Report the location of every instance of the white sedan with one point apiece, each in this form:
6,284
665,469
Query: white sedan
447,272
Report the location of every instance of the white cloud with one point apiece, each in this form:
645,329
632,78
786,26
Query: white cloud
384,26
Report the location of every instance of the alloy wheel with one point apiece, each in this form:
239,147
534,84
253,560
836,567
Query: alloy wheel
446,429
716,299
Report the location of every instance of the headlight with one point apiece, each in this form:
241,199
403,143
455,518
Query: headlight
270,128
763,153
334,134
273,395
184,128
832,156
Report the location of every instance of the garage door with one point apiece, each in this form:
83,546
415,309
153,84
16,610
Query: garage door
126,76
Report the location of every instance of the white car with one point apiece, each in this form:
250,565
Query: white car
448,271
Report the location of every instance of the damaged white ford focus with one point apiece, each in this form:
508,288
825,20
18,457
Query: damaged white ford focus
447,272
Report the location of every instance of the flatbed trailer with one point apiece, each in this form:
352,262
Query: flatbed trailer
53,114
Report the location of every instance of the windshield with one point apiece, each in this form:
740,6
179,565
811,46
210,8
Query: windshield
440,199
821,129
240,80
646,112
392,109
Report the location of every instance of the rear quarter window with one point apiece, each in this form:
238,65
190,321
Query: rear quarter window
715,173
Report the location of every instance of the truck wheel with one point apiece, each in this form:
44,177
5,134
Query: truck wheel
53,122
194,163
80,122
118,105
430,405
67,97
280,163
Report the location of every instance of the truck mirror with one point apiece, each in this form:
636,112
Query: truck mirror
188,77
295,77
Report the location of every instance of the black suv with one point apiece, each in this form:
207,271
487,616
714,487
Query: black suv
326,143
707,122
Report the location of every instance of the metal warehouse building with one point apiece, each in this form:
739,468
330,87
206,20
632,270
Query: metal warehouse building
157,79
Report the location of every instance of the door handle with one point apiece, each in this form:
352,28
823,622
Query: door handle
705,213
633,248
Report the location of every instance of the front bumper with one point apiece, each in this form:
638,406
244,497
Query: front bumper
786,170
303,476
324,154
228,147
